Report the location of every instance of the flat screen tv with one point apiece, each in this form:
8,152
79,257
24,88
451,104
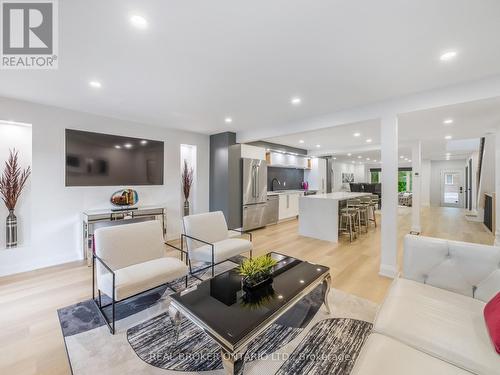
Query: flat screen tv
95,159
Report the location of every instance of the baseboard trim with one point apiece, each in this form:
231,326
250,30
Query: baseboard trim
415,230
388,270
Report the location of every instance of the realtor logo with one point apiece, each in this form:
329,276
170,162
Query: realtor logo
29,34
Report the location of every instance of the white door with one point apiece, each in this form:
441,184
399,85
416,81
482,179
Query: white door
452,188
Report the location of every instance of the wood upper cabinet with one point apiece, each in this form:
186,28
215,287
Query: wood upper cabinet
316,176
253,152
278,159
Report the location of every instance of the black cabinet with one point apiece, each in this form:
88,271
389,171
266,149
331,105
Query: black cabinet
488,211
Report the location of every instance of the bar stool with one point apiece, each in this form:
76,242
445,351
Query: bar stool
348,219
374,206
364,210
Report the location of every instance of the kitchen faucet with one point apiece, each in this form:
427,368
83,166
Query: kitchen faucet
272,183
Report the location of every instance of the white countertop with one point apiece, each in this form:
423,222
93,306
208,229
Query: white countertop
339,195
279,192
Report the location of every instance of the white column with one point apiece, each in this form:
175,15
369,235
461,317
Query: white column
416,165
389,227
497,189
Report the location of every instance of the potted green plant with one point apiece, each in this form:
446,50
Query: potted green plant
12,183
257,272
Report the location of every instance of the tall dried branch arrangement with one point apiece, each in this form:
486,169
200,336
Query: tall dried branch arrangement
13,180
187,179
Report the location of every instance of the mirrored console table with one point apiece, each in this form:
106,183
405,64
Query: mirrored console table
93,219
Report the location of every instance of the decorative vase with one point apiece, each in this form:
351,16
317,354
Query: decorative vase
11,233
186,208
124,198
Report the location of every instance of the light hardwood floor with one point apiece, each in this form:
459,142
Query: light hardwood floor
30,336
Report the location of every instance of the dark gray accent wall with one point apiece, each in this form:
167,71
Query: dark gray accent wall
292,177
235,191
329,168
225,177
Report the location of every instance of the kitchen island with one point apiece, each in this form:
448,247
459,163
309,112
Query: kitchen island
319,214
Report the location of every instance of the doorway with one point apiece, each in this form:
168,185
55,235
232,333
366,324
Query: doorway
452,188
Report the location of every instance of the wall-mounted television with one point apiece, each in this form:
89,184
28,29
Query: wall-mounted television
95,159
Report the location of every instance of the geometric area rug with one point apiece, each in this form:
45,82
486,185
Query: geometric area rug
305,340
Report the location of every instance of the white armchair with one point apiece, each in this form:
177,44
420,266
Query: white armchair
129,260
209,240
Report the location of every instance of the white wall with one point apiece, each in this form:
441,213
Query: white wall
338,168
19,138
437,166
56,209
425,183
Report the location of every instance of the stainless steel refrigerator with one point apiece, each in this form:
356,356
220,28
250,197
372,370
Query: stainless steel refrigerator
254,193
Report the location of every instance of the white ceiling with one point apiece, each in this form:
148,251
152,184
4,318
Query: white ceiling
470,122
200,61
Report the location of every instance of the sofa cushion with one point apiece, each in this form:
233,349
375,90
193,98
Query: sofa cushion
447,325
466,268
492,319
141,277
383,355
222,250
124,245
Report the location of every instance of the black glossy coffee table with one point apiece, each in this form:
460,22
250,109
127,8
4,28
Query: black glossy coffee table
233,317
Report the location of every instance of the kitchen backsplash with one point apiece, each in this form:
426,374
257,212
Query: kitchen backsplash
292,177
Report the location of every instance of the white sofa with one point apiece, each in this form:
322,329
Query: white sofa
130,259
209,240
431,321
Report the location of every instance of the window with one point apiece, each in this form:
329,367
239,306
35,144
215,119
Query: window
374,177
448,179
405,181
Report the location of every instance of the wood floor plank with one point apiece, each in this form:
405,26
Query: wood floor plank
31,340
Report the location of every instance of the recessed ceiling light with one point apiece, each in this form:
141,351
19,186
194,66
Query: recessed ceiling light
448,137
448,121
334,158
356,134
369,140
144,142
118,147
95,84
301,141
296,100
318,146
409,160
447,56
374,160
228,120
349,154
359,156
138,22
367,158
402,157
127,145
